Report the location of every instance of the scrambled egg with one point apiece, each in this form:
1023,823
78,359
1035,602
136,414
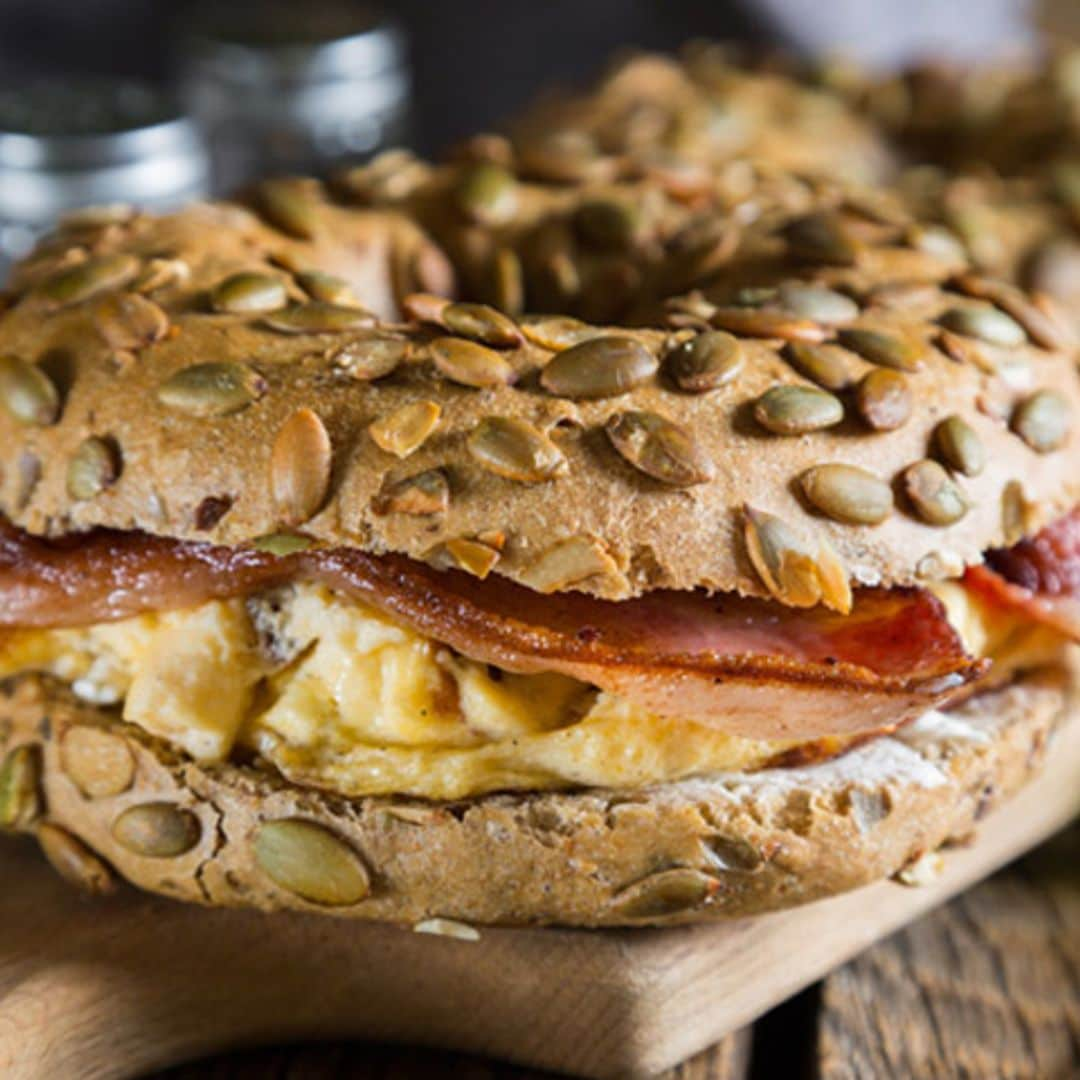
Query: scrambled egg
337,696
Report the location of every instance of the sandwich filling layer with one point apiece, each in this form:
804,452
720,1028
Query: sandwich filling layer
339,693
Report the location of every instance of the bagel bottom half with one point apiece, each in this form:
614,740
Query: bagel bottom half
103,794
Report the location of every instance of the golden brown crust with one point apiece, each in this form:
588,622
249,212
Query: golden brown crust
157,462
728,845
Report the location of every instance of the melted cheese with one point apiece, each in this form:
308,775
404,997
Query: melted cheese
337,696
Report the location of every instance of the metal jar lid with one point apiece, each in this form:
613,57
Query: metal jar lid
85,142
285,86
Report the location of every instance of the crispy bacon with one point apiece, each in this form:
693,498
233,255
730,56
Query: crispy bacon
1040,576
752,667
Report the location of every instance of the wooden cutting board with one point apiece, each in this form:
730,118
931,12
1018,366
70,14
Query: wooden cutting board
116,987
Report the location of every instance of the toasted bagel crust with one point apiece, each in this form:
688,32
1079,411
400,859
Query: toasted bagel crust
729,845
215,478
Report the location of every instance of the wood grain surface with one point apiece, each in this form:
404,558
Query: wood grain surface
988,986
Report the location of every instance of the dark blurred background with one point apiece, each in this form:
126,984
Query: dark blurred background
474,62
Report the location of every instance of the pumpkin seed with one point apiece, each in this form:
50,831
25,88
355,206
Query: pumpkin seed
94,466
558,332
791,569
515,449
27,392
486,193
288,205
822,237
368,359
883,399
98,763
985,323
87,279
473,556
829,366
659,448
900,352
965,350
1043,421
315,317
311,862
300,461
481,323
159,273
762,323
669,892
569,562
214,389
27,477
470,364
1040,325
450,928
326,288
933,494
795,410
74,861
425,493
425,307
507,285
565,156
847,493
20,788
406,429
130,321
707,361
1015,513
959,446
817,303
248,293
157,830
282,543
609,224
598,368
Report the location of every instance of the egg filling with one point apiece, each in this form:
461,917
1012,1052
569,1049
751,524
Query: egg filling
335,695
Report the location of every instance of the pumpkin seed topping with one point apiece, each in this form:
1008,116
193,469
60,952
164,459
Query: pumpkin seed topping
158,273
707,361
817,303
287,203
1043,421
311,862
507,281
822,237
848,493
985,323
558,332
130,321
481,323
214,389
659,448
368,359
515,449
609,224
87,279
900,352
74,861
795,410
959,446
20,788
791,569
668,892
157,830
763,323
598,368
27,392
98,763
327,288
1015,513
94,466
883,399
470,364
569,562
425,493
316,317
486,193
405,430
830,366
933,494
300,462
248,293
1041,326
472,556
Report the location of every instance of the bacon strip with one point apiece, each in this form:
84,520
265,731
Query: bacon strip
1040,576
751,667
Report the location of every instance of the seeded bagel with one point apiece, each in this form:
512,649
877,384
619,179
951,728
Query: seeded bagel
201,408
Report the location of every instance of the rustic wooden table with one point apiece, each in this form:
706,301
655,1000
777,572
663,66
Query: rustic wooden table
986,987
